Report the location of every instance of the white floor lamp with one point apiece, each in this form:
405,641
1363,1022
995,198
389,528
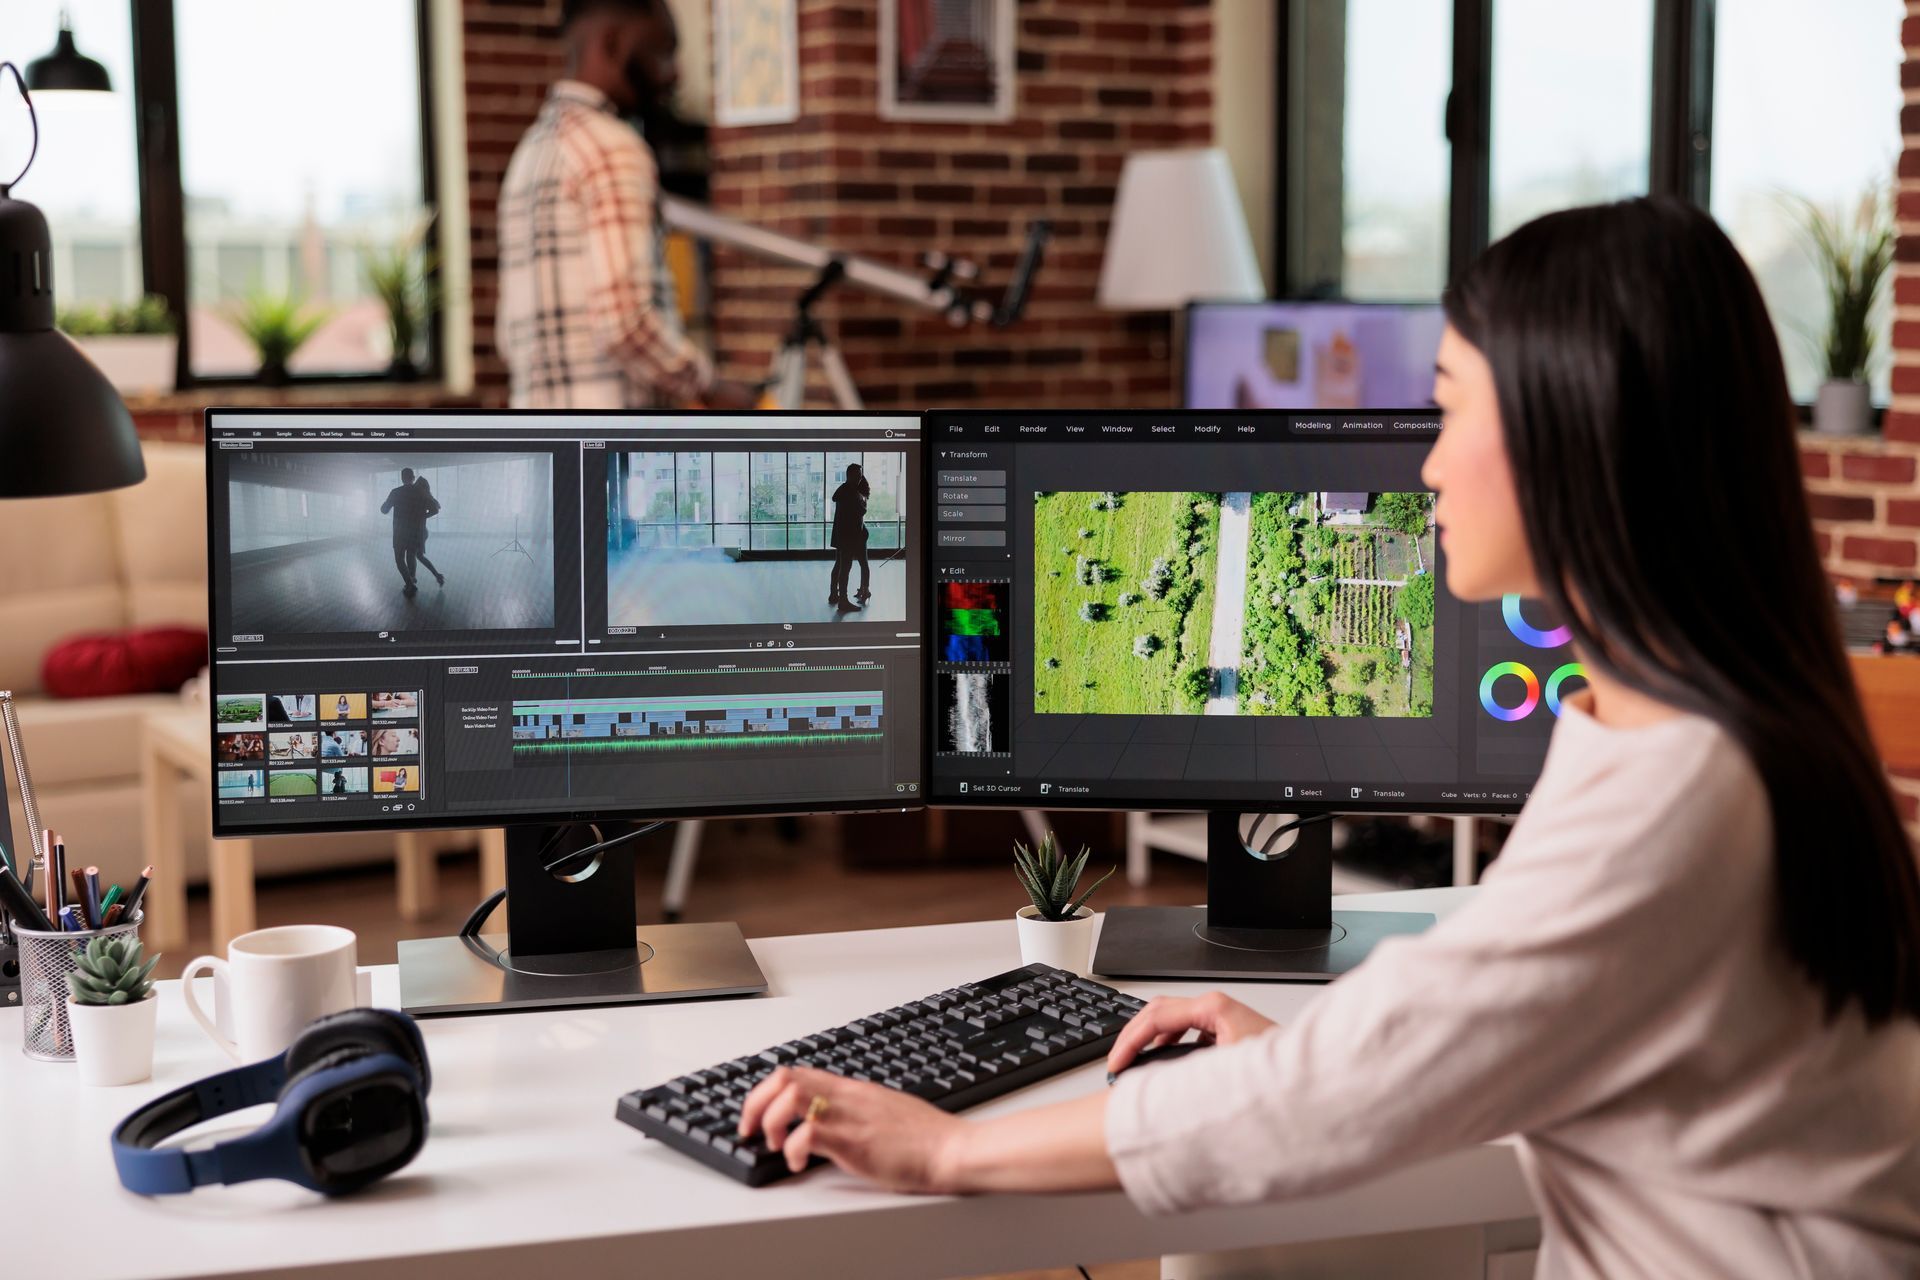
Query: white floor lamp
1179,236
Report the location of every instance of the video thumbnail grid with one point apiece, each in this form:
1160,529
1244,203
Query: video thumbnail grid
326,746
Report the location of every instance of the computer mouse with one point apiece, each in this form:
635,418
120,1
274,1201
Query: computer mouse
1165,1053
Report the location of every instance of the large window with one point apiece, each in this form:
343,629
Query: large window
1413,132
1394,150
300,157
281,154
85,177
1571,119
1802,111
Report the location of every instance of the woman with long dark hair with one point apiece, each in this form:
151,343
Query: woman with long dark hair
1691,983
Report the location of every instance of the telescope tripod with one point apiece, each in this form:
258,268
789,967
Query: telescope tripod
805,342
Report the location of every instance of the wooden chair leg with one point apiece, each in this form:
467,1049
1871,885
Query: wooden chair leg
419,875
165,903
230,881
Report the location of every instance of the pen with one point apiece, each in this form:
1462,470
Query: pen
139,892
51,866
113,895
114,913
90,884
20,904
70,920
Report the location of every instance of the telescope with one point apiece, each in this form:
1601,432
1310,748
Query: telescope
949,287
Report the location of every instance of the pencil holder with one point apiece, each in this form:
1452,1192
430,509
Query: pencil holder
45,961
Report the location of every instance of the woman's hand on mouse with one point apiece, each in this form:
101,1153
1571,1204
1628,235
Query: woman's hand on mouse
881,1134
1218,1018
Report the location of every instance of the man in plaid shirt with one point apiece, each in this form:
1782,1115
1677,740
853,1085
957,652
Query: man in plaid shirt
587,317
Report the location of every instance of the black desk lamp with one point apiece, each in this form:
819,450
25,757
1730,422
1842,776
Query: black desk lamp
63,428
66,69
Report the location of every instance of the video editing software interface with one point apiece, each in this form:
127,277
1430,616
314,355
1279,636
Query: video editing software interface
448,619
1201,609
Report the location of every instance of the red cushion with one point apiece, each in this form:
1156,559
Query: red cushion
111,663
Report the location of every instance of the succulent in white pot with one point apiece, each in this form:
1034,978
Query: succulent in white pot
111,1009
1057,928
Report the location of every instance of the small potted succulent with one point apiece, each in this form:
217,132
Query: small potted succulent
111,1010
1855,258
1057,929
134,344
277,324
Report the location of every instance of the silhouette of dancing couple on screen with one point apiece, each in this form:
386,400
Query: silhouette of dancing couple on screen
412,503
849,540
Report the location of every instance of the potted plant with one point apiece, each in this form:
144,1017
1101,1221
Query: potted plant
133,343
1057,929
402,277
111,1010
277,324
1854,259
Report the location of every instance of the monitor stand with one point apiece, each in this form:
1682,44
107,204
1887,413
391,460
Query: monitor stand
1267,917
573,940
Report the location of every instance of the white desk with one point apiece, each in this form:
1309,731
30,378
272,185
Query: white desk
527,1172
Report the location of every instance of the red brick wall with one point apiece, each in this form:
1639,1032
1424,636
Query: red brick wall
1097,79
513,55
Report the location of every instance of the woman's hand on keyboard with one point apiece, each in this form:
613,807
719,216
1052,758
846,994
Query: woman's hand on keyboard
880,1134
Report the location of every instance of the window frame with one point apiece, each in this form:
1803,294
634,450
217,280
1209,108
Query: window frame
1682,131
162,195
1680,157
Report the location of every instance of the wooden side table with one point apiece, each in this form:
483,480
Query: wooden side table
176,747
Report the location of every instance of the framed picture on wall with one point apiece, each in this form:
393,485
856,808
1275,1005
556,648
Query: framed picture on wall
946,59
756,62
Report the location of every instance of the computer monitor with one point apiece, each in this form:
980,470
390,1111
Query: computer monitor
549,620
1234,612
1310,355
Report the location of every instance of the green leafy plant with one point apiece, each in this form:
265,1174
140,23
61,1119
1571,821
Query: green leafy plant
1049,877
111,972
401,275
1855,257
147,316
277,324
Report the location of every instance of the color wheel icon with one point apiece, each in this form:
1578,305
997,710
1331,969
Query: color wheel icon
1526,705
1531,635
1520,670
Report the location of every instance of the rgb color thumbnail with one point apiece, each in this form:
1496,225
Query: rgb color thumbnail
973,621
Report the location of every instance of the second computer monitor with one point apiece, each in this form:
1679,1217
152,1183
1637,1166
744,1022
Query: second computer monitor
1223,611
1310,355
466,619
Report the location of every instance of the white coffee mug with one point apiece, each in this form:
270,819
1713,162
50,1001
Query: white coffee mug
277,981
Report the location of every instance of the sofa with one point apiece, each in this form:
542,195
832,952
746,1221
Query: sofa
134,557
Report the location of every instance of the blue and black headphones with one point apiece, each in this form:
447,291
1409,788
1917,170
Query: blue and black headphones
351,1108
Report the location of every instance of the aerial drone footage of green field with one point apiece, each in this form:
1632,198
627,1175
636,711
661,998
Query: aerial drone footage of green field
1123,598
1287,604
1339,605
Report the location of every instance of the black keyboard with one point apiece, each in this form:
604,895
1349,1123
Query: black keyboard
956,1048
